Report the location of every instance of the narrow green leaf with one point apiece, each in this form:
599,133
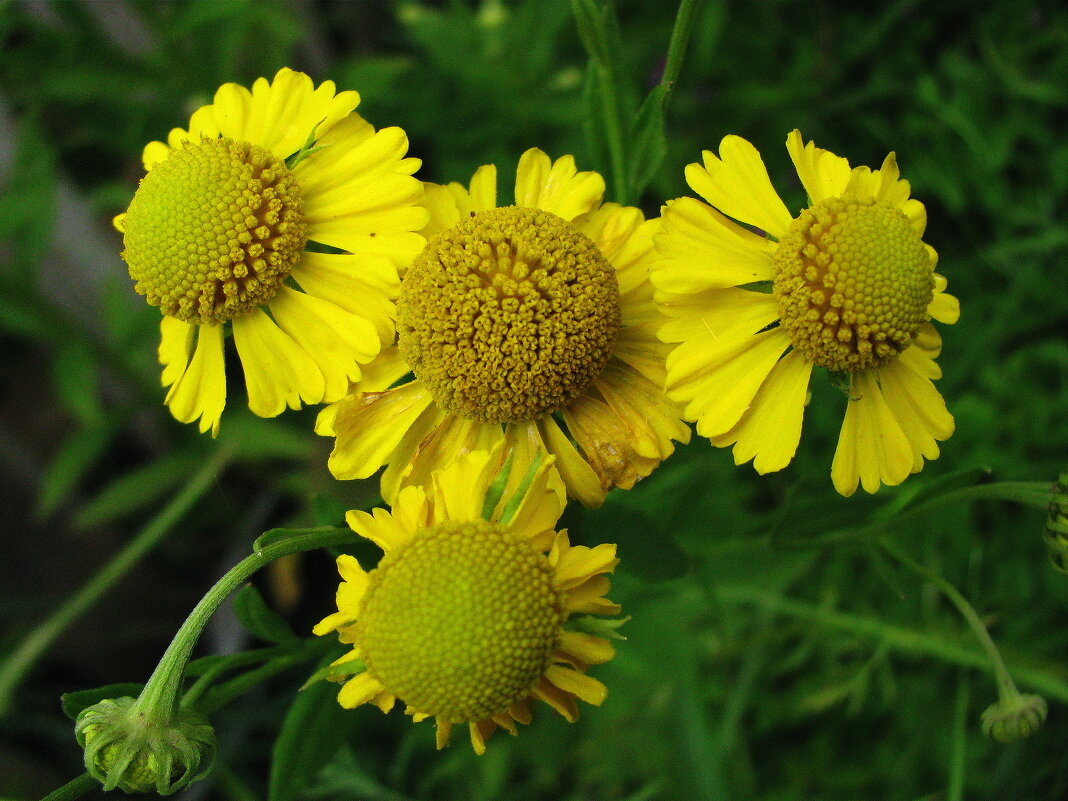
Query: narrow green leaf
648,140
75,458
314,728
333,672
137,490
258,618
73,703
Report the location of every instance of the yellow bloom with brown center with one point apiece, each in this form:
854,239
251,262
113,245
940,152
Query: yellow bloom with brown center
848,285
465,618
226,232
531,325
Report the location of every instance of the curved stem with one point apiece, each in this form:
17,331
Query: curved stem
14,669
161,694
1006,686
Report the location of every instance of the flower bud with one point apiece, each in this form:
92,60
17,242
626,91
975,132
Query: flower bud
137,752
1014,717
1056,533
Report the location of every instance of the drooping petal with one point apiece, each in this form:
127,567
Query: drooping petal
701,249
338,341
770,430
391,529
918,408
200,391
557,187
359,690
737,183
872,448
587,648
581,480
370,425
278,371
175,347
822,173
578,684
363,285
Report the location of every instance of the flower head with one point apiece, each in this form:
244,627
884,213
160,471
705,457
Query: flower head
465,617
847,285
1014,716
226,233
532,325
139,752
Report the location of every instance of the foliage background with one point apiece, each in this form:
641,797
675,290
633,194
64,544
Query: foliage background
761,664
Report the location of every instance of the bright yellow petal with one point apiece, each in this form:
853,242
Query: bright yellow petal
769,431
737,184
588,598
278,371
483,189
175,348
822,173
359,690
586,648
715,320
361,186
364,285
945,308
701,249
459,489
391,529
625,239
560,700
400,461
580,479
558,188
337,340
578,684
444,729
370,426
442,208
872,448
456,441
918,408
576,564
719,396
652,420
201,389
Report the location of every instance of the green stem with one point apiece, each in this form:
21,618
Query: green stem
897,637
160,696
680,36
18,664
73,789
1006,687
223,694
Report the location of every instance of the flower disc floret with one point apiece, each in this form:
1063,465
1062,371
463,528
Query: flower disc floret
854,281
461,621
213,230
508,315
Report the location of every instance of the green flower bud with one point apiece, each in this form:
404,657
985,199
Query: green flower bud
138,752
1056,533
1014,717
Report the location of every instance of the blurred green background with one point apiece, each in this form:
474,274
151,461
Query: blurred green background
765,659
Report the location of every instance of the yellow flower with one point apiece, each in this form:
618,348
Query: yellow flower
226,228
531,324
848,285
464,618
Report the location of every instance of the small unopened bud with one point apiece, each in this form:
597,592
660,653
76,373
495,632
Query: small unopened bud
1014,717
1056,533
135,751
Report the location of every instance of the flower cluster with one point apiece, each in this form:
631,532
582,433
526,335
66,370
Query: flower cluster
495,358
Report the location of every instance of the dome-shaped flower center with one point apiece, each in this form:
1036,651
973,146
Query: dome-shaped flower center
508,315
213,230
461,621
853,280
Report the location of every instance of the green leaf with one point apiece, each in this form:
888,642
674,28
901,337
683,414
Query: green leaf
648,140
73,703
258,618
138,489
965,477
77,456
75,375
314,728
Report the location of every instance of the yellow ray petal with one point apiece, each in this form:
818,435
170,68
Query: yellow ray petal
822,173
483,190
580,479
201,389
605,442
652,419
558,188
175,348
588,598
587,648
369,426
872,448
364,285
399,466
769,431
737,184
442,206
278,371
452,439
560,700
918,408
359,690
701,249
443,731
945,308
337,340
716,320
579,684
389,530
579,563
